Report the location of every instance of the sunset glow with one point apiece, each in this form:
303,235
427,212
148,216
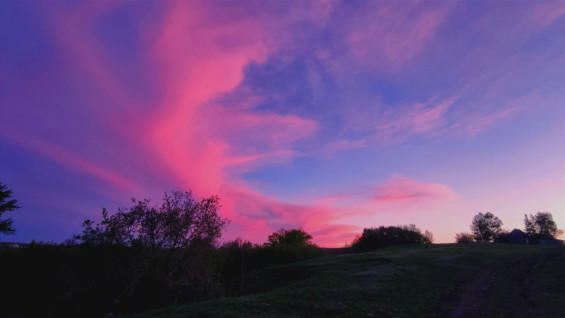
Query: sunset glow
332,116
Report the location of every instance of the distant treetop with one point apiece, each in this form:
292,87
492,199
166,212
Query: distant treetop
541,225
485,227
6,205
293,237
383,236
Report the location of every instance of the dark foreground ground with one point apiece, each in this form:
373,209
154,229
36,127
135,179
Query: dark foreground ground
409,281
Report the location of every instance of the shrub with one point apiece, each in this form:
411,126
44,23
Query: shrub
283,246
463,238
373,238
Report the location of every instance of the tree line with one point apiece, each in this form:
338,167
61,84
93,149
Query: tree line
486,227
148,256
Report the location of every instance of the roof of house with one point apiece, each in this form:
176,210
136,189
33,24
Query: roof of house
517,233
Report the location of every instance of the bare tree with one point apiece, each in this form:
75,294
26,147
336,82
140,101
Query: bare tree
180,221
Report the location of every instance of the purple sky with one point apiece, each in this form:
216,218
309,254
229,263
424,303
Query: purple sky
332,116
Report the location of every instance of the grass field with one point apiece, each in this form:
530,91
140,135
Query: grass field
407,281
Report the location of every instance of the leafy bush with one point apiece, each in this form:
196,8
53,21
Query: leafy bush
290,245
283,246
383,236
293,237
464,238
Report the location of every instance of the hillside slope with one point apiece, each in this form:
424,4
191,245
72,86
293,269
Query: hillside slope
407,281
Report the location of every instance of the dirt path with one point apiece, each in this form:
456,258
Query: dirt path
503,289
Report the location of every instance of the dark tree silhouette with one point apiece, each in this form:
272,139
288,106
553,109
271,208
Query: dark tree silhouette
485,227
294,237
6,205
172,246
541,225
502,237
180,221
464,238
383,236
284,246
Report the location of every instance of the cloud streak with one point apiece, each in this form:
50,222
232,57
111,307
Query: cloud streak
401,189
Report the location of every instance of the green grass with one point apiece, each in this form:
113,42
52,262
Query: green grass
403,281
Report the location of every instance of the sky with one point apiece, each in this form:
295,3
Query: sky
332,116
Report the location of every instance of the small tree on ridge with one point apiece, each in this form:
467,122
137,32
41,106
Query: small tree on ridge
485,227
541,225
294,237
464,238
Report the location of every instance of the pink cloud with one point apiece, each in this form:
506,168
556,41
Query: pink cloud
259,132
260,215
196,143
401,189
390,34
180,132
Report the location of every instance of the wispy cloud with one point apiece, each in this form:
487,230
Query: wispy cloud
401,189
390,34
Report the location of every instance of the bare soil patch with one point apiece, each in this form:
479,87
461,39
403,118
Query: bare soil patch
503,289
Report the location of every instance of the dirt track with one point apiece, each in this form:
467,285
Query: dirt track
503,289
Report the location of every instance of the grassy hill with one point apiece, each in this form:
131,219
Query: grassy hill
407,281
